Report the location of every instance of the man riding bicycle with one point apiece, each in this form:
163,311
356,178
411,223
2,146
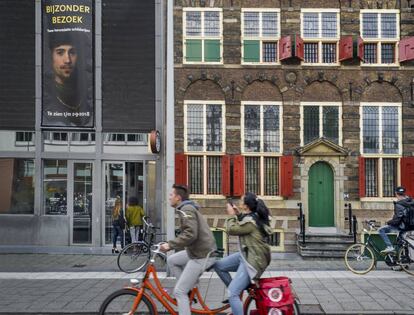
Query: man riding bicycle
197,239
396,224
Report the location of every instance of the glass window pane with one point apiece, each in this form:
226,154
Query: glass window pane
310,25
251,128
211,23
390,129
269,51
387,53
389,25
214,128
269,24
252,174
329,52
331,123
389,177
251,51
271,172
55,186
371,177
370,129
311,53
82,203
370,53
251,24
329,25
195,174
213,175
310,123
370,25
17,186
271,131
193,23
195,127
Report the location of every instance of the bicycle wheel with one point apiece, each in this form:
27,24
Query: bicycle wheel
359,258
405,260
250,305
134,257
121,302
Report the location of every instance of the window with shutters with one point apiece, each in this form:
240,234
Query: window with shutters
381,147
380,32
202,35
260,29
262,146
321,120
204,145
320,33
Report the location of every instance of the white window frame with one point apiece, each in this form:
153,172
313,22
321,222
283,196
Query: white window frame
380,156
321,40
379,40
320,105
261,104
202,37
260,38
263,154
223,127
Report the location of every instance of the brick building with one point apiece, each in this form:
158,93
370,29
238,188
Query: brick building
307,102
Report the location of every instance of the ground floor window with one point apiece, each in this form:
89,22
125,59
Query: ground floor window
380,176
262,175
16,186
55,174
204,174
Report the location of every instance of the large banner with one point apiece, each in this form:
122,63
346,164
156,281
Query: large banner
68,94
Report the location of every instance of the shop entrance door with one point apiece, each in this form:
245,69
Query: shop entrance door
122,180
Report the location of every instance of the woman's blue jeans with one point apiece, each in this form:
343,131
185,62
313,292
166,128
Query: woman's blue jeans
117,231
235,286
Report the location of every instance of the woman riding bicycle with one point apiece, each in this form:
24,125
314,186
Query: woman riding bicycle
252,227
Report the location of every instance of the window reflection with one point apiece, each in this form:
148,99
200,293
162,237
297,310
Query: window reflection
55,186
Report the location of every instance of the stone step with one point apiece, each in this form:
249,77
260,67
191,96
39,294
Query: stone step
326,238
322,254
325,247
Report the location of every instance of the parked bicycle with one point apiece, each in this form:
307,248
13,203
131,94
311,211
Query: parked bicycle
135,256
141,296
360,258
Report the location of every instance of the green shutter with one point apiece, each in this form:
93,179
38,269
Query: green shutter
212,50
251,51
193,50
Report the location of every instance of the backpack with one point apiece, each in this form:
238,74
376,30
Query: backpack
408,217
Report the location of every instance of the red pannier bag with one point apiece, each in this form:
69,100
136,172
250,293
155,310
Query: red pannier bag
274,296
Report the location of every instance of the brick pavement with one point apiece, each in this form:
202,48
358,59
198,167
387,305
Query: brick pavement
50,284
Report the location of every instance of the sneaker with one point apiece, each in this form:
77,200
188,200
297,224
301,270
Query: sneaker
388,249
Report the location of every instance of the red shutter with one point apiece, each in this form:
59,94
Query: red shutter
407,174
180,169
406,49
346,48
225,175
360,45
299,48
285,48
238,175
361,177
286,176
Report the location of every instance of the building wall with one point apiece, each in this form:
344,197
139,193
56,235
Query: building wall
292,83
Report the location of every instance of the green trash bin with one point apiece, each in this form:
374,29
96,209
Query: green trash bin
379,243
221,240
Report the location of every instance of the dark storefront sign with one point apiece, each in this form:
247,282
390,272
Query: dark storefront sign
67,63
128,65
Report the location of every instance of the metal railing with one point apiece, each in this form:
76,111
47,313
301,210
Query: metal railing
352,222
302,222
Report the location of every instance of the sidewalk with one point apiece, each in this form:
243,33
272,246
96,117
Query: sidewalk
77,284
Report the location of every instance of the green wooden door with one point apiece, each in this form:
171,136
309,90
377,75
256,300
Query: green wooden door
321,196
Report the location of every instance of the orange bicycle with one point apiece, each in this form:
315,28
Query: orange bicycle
141,297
